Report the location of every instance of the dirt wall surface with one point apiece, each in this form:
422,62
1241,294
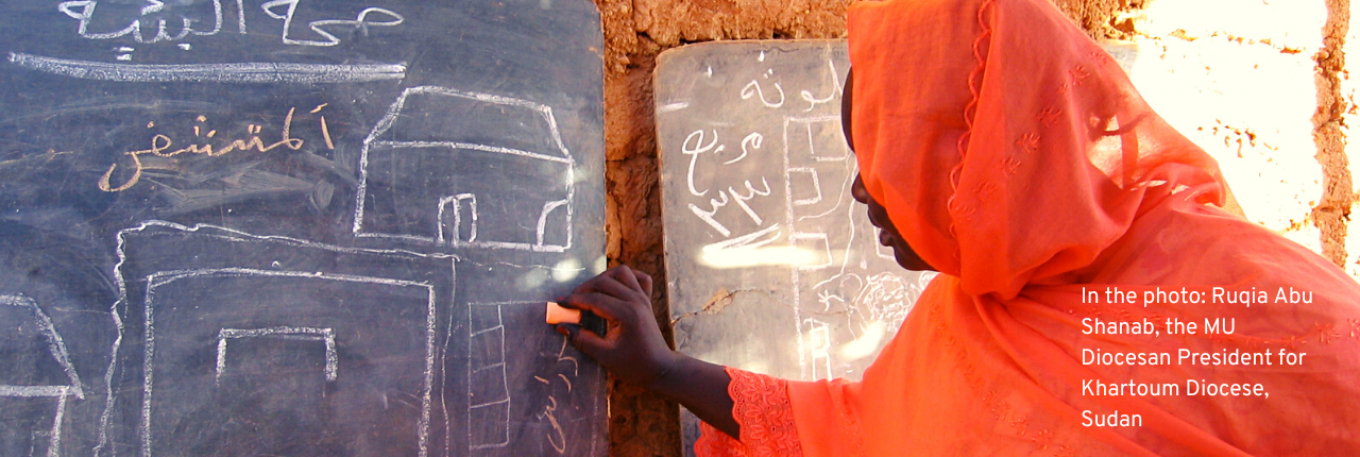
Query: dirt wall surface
1260,84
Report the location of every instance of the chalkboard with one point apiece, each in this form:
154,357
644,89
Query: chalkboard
772,265
291,227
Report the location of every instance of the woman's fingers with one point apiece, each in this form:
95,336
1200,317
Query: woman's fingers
625,275
645,281
589,285
620,282
634,350
601,304
592,284
586,342
622,291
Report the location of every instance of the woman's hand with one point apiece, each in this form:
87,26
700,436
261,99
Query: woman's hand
634,349
635,352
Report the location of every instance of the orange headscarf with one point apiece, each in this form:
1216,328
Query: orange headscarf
1014,155
1006,145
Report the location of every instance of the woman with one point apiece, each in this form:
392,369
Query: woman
1001,147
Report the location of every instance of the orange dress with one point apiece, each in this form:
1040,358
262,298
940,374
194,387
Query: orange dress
1013,155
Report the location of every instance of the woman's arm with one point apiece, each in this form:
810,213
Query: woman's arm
635,352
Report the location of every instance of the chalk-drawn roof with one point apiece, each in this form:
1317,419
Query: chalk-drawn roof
431,115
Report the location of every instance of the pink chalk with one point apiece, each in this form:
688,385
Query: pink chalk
560,315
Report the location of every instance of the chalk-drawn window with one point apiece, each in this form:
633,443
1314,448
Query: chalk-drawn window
489,395
443,163
806,186
818,138
324,336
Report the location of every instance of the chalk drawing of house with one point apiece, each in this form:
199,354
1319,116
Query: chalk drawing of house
466,169
225,352
853,291
37,381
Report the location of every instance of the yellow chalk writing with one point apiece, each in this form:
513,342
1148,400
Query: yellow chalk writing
559,444
161,146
